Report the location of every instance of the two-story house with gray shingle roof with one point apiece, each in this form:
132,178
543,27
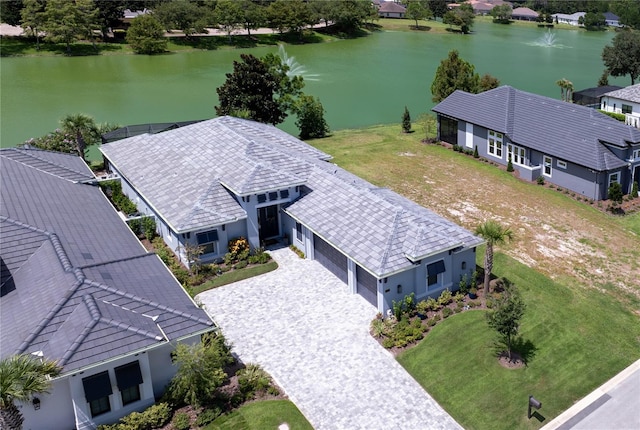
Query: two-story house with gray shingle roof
216,180
625,101
572,146
78,288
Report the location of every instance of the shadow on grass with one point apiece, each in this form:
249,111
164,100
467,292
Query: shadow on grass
538,416
421,28
525,349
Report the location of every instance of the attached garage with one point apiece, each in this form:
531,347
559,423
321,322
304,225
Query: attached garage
331,258
367,286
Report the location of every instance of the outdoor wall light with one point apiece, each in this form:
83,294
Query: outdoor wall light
533,402
36,403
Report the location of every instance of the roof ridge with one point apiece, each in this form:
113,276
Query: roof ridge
391,239
90,302
24,152
47,319
148,302
117,260
53,238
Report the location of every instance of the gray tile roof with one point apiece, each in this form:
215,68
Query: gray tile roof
186,173
379,229
564,130
85,289
630,93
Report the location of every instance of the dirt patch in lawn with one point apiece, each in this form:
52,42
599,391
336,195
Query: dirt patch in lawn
577,242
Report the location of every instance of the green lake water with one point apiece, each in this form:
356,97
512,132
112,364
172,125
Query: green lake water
360,82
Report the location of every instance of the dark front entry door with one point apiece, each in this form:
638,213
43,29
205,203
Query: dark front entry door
268,222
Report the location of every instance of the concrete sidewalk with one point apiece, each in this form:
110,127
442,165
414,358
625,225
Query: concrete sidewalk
303,327
614,405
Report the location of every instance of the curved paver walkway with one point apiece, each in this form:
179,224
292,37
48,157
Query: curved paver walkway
303,327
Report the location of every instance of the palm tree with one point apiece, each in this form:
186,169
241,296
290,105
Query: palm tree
493,232
83,128
566,89
22,376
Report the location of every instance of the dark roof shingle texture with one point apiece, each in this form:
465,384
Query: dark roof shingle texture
564,130
86,290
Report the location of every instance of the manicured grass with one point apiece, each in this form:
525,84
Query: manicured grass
234,276
268,414
575,341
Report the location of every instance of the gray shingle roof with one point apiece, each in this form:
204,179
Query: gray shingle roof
630,93
85,288
564,130
185,179
379,229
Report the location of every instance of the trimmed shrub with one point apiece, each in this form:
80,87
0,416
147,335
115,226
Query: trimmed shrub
181,421
445,298
475,152
208,416
252,379
634,190
148,227
446,312
540,180
153,417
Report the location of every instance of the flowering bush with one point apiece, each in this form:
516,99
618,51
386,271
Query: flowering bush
238,250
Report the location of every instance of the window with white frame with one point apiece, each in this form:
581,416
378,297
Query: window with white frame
614,178
561,164
516,153
635,154
495,144
299,231
547,165
207,240
97,389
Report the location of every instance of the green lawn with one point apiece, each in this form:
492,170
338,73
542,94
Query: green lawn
575,341
265,415
234,276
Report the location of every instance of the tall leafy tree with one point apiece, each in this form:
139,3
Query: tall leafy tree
493,233
438,7
200,370
229,16
502,13
418,10
68,20
488,82
182,15
11,12
628,11
34,18
311,122
595,21
261,87
110,13
452,74
461,16
347,15
254,16
21,377
146,35
623,57
290,16
506,314
83,129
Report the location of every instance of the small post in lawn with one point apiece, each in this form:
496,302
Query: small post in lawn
535,403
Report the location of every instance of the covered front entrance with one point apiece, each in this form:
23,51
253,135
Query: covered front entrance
268,222
331,258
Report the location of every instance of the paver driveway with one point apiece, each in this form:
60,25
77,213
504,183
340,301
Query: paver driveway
303,327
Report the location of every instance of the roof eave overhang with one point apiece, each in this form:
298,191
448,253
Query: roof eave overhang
260,191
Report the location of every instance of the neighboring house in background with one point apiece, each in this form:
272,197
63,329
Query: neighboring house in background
572,19
389,9
524,14
590,97
612,20
624,101
220,179
77,287
575,147
481,7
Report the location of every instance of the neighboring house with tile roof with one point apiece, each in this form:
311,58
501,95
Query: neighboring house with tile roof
612,19
390,9
572,146
223,178
524,14
571,19
78,288
624,101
